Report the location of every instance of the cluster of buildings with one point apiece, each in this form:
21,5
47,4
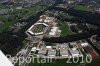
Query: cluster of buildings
53,31
16,27
44,27
65,50
89,50
96,41
23,1
2,1
48,27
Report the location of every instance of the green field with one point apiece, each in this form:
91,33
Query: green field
61,62
57,62
6,24
95,62
65,30
38,28
2,6
92,26
84,7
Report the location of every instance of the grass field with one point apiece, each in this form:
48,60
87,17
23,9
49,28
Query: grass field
2,6
92,26
6,24
57,62
83,8
38,28
95,62
65,30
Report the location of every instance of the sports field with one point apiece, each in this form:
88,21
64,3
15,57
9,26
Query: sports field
38,28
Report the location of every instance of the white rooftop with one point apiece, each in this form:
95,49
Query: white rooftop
52,53
73,43
64,53
33,49
53,31
4,61
48,47
40,20
74,49
84,44
42,51
46,20
74,52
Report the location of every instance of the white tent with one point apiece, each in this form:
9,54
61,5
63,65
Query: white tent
4,61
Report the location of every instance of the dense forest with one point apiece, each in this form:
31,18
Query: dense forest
9,43
71,38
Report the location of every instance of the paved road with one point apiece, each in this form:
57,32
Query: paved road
25,55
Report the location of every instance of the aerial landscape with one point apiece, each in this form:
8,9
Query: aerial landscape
49,32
